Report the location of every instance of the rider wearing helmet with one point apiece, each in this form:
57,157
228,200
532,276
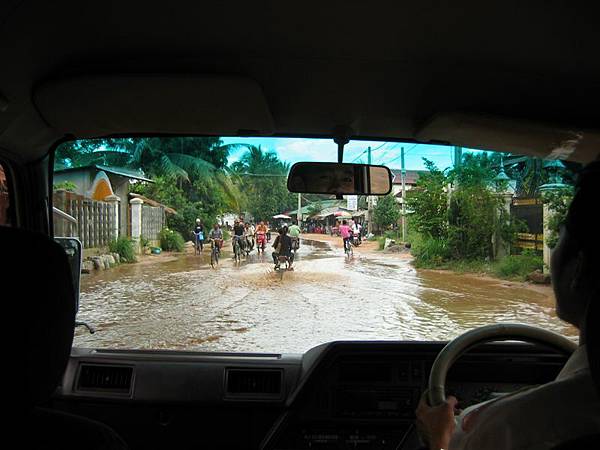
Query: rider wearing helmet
199,233
283,247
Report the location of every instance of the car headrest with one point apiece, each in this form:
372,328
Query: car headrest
39,296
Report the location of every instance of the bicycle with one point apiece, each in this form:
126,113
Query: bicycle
278,267
237,250
214,253
348,248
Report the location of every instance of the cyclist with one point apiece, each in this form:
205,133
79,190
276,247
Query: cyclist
238,235
250,232
294,233
261,235
216,235
346,234
283,247
199,234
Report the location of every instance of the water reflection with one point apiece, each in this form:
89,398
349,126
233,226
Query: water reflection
182,303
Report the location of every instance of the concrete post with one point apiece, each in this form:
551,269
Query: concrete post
113,200
136,222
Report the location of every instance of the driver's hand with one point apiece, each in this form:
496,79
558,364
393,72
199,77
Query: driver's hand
436,424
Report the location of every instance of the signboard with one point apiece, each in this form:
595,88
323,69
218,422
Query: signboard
352,202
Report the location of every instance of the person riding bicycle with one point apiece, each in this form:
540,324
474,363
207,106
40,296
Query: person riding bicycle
238,235
199,233
216,235
345,233
250,231
283,247
294,233
261,234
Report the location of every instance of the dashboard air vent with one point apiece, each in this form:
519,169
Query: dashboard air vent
254,383
105,378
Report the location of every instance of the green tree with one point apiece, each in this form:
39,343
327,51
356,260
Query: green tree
387,211
263,178
429,202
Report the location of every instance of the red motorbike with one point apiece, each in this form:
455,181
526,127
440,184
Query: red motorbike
261,242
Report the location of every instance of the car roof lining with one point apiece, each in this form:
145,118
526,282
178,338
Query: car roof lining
391,73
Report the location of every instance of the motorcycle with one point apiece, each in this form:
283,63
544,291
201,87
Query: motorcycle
261,242
356,239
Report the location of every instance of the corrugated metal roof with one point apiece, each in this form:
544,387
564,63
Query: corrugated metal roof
120,171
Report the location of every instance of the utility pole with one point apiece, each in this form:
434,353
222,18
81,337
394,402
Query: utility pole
369,200
299,213
403,175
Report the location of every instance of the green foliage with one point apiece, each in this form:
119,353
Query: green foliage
518,266
315,209
124,247
429,251
387,211
145,243
472,222
66,185
171,240
558,202
429,202
262,176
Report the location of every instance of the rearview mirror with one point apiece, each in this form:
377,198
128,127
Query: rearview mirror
73,249
339,179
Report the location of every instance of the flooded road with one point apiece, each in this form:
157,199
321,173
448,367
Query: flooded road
183,304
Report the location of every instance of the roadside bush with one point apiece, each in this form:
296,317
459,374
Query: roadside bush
124,247
518,266
430,252
171,240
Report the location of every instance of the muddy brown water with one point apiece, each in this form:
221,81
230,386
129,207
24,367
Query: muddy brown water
184,304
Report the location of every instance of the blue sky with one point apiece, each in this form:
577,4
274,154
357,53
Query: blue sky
387,153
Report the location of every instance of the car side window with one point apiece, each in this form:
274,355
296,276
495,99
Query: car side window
4,197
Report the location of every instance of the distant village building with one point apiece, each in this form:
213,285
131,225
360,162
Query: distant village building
410,181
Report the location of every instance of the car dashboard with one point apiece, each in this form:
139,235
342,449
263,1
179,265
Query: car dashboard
344,394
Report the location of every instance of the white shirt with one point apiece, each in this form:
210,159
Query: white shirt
537,418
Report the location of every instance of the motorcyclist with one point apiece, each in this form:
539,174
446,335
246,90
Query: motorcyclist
294,233
261,235
283,247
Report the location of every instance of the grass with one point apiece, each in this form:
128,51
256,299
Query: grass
124,247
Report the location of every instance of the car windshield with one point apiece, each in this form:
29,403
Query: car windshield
189,243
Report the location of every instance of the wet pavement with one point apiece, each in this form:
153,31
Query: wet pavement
184,304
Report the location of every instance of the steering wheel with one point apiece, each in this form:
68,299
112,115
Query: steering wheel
499,332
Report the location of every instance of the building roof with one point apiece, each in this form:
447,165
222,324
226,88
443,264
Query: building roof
323,203
120,171
411,176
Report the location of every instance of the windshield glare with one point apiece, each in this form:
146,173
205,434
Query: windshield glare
195,243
